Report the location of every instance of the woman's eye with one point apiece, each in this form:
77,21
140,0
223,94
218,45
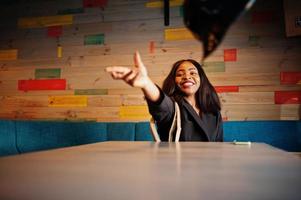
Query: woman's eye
193,73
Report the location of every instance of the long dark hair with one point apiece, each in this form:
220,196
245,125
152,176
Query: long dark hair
206,96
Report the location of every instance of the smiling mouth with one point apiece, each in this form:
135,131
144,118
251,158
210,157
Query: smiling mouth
187,84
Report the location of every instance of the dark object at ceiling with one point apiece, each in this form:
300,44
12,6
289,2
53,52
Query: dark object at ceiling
210,19
166,12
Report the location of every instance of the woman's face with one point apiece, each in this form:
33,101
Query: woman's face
187,78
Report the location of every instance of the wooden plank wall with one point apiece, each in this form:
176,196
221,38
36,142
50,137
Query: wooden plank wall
53,54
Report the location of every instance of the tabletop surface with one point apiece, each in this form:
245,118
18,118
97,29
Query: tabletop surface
148,170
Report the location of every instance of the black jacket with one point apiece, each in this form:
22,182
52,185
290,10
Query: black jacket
209,127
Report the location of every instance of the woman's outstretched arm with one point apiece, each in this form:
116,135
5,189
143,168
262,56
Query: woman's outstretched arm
136,77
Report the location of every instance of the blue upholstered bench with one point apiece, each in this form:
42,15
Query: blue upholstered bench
27,136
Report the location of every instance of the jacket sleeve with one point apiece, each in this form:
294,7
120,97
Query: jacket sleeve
162,110
220,130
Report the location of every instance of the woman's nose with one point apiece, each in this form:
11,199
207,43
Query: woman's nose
186,76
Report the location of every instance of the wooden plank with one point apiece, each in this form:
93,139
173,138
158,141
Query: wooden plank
82,29
247,98
47,73
133,100
102,80
260,112
101,60
45,21
287,97
90,92
9,54
290,77
178,34
87,18
254,40
137,14
17,73
43,62
16,92
53,84
67,101
239,79
69,11
124,91
23,101
268,88
232,112
94,39
105,101
134,113
290,112
107,114
292,17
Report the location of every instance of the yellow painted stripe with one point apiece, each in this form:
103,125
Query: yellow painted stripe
10,54
59,51
67,101
160,4
178,34
134,113
38,22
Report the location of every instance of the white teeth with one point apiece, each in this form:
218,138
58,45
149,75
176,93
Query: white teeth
187,84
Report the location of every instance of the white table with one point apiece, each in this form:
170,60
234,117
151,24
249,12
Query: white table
146,170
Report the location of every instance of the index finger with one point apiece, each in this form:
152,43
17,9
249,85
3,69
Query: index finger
117,69
137,59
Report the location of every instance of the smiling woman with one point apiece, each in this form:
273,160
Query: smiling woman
188,86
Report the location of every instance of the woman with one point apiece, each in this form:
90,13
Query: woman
186,84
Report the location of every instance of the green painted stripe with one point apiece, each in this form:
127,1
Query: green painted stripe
47,73
91,92
70,11
214,66
254,40
181,8
94,39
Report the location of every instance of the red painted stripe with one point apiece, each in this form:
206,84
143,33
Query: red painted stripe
290,77
94,3
287,97
53,84
220,89
54,31
263,17
230,55
151,47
